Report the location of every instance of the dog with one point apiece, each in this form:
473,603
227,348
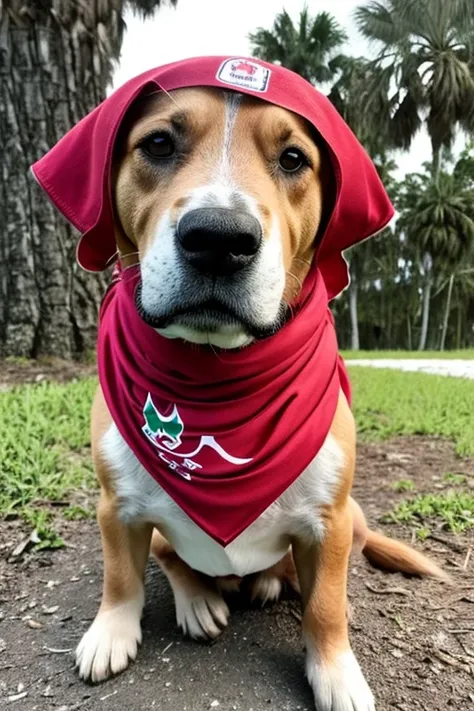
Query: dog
228,208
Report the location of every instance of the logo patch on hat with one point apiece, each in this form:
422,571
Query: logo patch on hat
244,73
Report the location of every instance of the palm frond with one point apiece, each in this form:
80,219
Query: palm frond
377,23
406,122
428,48
145,8
310,48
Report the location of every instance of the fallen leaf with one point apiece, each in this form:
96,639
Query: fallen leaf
32,539
34,624
17,697
53,650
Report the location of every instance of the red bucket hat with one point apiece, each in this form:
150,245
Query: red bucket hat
75,173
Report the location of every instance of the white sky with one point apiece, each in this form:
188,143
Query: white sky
207,27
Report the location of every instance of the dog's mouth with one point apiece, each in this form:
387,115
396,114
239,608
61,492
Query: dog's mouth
211,316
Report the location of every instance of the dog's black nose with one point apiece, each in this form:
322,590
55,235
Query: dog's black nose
219,240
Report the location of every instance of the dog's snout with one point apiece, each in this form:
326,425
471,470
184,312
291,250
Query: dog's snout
219,240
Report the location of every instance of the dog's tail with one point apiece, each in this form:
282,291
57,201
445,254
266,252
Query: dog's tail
389,554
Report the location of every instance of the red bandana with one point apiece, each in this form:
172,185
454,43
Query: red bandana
224,433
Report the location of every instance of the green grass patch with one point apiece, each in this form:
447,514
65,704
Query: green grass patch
43,523
466,354
388,403
454,510
44,449
423,533
403,485
456,479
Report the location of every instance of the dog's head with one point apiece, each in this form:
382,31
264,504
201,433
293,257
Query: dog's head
222,196
219,196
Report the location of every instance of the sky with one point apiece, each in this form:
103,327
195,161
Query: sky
207,27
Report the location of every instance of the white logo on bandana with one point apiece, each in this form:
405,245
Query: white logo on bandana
244,73
164,431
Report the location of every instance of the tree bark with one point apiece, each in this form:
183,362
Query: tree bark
50,76
446,313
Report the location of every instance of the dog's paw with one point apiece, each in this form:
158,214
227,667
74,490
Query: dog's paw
110,643
266,587
340,686
201,611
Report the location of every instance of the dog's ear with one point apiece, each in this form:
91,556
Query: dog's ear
75,174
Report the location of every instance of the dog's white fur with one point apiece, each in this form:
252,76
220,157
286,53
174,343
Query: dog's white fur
339,687
260,294
111,641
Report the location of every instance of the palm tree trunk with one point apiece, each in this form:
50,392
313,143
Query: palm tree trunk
426,316
426,301
436,164
355,344
410,342
48,305
459,326
388,342
446,312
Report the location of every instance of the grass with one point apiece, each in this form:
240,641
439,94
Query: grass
451,478
466,354
454,509
403,485
44,451
388,403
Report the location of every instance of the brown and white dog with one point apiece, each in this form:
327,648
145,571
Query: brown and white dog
305,537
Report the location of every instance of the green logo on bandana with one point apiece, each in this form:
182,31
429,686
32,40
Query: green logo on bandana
158,426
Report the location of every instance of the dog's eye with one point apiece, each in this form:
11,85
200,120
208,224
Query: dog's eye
292,160
158,145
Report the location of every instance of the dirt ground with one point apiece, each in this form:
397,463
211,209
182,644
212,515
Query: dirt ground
414,639
16,371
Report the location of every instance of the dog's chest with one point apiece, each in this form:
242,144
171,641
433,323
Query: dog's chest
297,512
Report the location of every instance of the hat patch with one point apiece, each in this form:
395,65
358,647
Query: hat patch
244,73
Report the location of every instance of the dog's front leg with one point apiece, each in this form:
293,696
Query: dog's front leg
332,669
113,638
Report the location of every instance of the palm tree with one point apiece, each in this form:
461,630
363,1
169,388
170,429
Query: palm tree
440,213
56,61
364,109
310,49
428,52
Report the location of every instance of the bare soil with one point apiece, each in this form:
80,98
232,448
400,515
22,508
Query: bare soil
17,371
